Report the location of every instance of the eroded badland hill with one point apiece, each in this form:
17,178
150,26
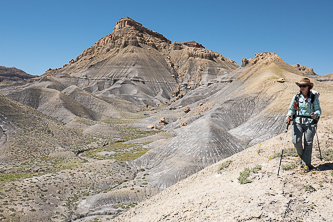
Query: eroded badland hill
135,117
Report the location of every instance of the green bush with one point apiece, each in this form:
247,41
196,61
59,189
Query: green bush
256,169
224,165
243,176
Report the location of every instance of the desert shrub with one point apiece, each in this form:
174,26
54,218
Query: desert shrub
256,169
224,165
243,176
289,166
287,152
309,188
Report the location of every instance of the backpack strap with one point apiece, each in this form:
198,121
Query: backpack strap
312,96
296,105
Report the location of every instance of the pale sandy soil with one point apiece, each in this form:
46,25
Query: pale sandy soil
209,196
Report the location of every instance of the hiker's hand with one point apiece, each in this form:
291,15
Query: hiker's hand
314,115
288,119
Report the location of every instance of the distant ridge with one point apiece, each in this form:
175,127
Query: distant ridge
13,74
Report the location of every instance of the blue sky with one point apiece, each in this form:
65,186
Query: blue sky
36,35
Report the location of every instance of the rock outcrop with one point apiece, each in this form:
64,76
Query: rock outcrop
309,72
193,44
305,70
264,57
244,62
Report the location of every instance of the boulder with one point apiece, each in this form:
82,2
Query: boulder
183,124
162,121
281,80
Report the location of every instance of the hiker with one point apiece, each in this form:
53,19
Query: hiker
304,110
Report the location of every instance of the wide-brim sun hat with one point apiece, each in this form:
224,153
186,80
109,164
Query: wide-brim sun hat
305,82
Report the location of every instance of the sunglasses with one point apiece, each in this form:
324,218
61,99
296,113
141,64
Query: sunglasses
301,86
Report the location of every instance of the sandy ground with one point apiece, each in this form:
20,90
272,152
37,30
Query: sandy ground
209,196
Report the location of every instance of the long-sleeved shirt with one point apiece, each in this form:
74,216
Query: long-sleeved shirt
306,107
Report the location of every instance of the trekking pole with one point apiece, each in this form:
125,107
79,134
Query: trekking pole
284,143
321,158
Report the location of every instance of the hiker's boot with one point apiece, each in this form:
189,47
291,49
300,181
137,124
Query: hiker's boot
306,168
299,161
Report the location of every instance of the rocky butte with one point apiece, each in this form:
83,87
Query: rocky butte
135,117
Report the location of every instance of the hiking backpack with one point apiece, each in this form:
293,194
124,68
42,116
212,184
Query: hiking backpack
313,93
